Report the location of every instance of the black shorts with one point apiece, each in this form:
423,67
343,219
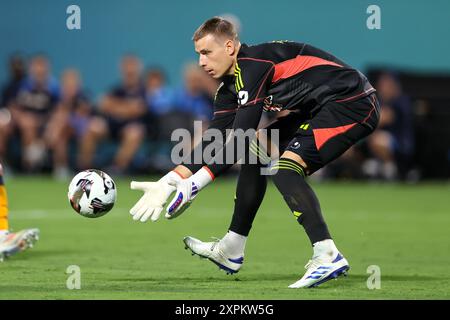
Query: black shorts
330,132
116,126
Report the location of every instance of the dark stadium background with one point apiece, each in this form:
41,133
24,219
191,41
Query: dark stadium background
410,42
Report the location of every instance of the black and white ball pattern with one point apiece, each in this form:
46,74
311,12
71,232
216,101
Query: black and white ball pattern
92,193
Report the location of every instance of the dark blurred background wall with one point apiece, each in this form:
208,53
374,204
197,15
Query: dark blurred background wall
409,54
413,34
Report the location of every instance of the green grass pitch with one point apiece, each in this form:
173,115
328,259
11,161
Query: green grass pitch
403,229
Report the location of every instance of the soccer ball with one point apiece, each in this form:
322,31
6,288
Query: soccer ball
92,193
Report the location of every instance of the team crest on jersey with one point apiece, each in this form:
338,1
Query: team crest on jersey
295,145
269,106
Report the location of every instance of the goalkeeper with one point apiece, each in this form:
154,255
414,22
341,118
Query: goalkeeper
332,106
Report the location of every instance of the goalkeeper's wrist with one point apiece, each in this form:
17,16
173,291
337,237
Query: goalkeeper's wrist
202,177
172,176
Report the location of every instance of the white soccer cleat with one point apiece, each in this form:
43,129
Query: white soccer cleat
321,269
15,242
213,252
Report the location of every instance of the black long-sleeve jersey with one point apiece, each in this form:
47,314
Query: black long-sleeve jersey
277,76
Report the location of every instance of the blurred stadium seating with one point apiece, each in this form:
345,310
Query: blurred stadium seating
175,95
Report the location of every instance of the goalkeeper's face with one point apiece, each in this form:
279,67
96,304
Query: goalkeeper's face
216,55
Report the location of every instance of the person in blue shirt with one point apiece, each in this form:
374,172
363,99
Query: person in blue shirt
193,97
159,96
31,109
70,120
122,116
392,144
17,72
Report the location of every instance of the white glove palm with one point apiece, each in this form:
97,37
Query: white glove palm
151,204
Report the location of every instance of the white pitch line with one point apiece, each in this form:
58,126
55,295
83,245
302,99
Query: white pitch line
55,213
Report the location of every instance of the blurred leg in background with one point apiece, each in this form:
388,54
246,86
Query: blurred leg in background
381,146
69,120
131,137
57,137
96,131
6,129
29,126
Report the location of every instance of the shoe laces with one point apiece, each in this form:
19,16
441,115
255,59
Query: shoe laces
313,263
215,242
219,250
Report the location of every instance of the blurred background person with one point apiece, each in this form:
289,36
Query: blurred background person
194,100
196,96
160,102
159,95
162,119
391,146
17,72
31,109
69,121
122,116
178,108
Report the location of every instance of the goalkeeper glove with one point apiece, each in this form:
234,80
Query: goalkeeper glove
187,190
155,197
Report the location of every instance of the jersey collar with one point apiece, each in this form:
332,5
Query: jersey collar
242,50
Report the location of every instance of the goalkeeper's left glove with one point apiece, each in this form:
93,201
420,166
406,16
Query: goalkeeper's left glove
155,197
187,190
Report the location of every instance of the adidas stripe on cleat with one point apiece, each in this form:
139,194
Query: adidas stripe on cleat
320,269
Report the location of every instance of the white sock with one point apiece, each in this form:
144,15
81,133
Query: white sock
233,244
325,247
3,233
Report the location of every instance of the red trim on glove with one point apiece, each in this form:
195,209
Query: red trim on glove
182,177
210,172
